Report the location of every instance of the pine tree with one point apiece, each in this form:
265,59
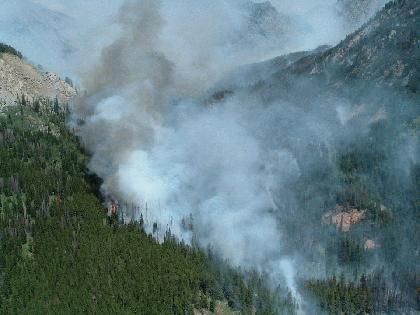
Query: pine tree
56,105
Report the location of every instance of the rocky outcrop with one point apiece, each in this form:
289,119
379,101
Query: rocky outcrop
18,77
343,217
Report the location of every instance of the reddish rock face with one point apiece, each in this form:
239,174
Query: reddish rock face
343,217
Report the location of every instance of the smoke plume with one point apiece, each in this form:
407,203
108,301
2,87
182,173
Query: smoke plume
216,173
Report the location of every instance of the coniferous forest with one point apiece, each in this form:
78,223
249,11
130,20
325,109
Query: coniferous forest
291,185
61,253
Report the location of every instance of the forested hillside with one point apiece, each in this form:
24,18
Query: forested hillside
356,205
61,254
313,156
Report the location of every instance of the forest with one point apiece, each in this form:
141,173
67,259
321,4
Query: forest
62,254
347,218
370,267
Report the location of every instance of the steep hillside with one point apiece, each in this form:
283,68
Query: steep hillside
248,75
332,133
61,253
349,115
18,78
357,11
386,50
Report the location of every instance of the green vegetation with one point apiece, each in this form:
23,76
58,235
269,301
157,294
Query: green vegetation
9,50
368,295
368,174
61,254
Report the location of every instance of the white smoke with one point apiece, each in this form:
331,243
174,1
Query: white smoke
158,142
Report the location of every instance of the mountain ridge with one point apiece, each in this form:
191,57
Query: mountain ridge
383,51
18,78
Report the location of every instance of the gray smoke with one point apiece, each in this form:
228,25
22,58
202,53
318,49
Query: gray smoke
61,36
160,144
66,36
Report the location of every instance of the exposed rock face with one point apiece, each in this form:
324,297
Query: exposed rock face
18,77
343,218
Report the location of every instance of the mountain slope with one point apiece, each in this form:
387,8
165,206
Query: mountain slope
18,78
357,11
386,50
61,253
349,115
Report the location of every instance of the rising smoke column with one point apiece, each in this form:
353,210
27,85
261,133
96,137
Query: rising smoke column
154,141
158,143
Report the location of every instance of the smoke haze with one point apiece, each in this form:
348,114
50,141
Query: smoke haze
161,142
67,37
